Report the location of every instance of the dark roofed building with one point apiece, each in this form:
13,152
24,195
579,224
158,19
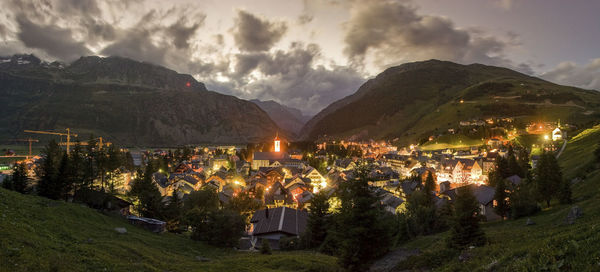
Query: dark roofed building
485,197
277,223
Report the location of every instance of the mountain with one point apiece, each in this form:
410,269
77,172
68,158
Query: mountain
287,118
125,101
415,100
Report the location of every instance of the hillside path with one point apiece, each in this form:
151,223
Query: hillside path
561,149
392,259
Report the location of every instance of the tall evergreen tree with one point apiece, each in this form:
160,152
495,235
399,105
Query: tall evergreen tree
316,228
367,233
147,194
465,229
429,186
19,179
501,197
548,178
78,165
48,184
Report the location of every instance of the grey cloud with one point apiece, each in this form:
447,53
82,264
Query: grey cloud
137,45
569,73
392,32
252,33
290,78
55,41
78,7
182,33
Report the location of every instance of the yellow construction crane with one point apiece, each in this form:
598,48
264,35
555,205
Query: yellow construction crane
27,140
68,134
101,143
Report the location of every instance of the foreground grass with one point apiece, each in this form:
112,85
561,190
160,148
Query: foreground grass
549,245
38,234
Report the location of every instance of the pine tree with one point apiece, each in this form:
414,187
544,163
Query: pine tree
173,213
366,234
19,180
48,184
513,165
500,196
548,178
465,229
147,194
429,186
316,228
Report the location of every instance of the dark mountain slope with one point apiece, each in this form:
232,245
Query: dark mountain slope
419,99
128,102
285,117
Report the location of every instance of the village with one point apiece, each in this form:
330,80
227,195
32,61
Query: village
283,180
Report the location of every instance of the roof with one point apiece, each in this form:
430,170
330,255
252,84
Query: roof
269,155
483,193
285,220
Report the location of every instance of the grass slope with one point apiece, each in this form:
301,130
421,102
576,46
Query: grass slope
38,234
550,245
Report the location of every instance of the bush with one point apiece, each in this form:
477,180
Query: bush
265,247
290,243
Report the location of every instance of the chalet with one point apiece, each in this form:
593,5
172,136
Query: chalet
162,182
392,203
277,195
557,134
466,170
276,223
344,164
312,174
485,198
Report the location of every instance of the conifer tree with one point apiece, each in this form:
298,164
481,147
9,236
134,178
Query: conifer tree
316,228
19,180
500,196
147,194
48,172
366,234
465,229
548,178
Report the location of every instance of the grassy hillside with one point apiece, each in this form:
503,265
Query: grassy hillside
549,245
37,234
416,100
578,157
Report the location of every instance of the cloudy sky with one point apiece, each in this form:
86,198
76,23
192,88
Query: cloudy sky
309,53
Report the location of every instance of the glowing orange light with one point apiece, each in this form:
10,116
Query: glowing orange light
187,84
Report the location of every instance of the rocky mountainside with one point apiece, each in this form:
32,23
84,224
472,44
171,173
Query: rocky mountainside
128,102
418,99
287,118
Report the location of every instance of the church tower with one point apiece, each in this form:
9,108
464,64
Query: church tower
277,143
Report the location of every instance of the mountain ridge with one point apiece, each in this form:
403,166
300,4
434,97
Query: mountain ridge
420,99
133,103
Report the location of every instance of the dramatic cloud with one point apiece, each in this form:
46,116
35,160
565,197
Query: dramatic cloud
392,32
55,41
291,77
252,33
305,54
568,73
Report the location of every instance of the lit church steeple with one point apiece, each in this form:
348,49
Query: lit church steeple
277,143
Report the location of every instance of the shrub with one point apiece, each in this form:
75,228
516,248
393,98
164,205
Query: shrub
265,247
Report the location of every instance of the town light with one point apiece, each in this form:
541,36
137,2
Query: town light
546,137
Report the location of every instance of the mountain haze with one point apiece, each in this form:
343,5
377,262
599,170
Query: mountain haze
287,118
126,101
419,99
